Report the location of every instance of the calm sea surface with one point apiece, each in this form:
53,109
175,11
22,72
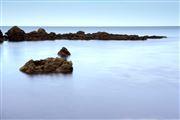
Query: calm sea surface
111,79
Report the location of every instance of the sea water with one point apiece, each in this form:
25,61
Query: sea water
111,79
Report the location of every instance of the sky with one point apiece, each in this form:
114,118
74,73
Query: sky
89,12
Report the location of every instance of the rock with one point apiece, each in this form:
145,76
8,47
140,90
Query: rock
66,67
155,37
52,36
1,34
48,65
80,32
64,52
40,34
28,67
102,36
41,31
1,37
15,34
80,35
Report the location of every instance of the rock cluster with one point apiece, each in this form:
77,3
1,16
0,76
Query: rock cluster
48,65
17,34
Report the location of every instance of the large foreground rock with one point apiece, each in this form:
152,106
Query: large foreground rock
49,65
15,34
64,52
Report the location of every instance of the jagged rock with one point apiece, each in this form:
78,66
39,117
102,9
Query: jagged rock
15,34
64,52
49,65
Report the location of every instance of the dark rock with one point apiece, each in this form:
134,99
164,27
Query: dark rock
102,36
80,35
1,37
1,34
80,32
155,37
49,65
41,31
52,36
64,52
40,34
15,34
59,36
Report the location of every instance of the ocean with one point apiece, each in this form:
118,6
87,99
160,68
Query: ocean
111,79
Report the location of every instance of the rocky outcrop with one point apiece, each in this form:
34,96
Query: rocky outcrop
1,37
49,65
15,34
64,52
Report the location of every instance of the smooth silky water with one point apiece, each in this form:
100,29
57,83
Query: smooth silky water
111,79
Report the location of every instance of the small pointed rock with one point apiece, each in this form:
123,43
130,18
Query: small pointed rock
64,52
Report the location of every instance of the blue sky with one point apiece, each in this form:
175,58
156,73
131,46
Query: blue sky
89,12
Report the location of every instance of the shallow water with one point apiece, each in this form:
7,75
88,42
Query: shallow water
111,79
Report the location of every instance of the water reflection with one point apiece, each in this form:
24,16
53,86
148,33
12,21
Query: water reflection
52,76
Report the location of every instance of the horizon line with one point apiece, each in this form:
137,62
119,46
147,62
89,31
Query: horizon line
83,26
98,1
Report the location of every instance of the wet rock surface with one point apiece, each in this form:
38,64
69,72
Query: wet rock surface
48,65
17,34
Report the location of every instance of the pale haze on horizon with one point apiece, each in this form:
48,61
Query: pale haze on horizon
89,13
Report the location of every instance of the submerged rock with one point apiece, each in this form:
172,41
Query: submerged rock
49,65
15,34
64,52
